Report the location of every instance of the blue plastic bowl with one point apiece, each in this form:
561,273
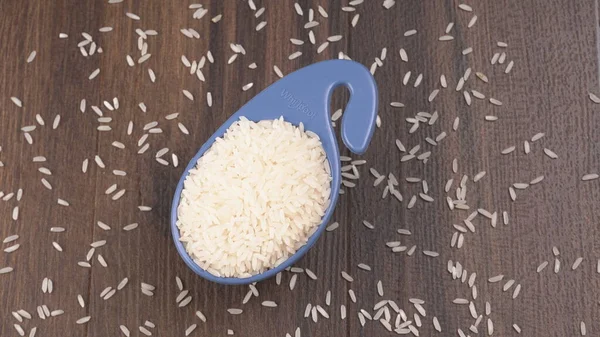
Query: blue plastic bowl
302,96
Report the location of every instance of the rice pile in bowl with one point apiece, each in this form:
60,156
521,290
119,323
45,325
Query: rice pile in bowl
254,197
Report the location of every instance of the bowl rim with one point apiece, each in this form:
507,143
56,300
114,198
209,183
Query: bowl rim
335,171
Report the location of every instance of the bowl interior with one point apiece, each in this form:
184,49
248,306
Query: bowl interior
331,150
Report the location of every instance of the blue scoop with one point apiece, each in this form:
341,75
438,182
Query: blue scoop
302,96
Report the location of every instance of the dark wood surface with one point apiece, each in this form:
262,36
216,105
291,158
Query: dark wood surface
554,48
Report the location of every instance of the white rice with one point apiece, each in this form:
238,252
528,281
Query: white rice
248,204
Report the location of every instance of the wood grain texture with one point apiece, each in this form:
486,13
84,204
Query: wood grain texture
555,50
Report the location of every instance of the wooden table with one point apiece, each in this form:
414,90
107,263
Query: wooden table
554,48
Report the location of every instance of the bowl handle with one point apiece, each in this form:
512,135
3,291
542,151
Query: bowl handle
358,120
